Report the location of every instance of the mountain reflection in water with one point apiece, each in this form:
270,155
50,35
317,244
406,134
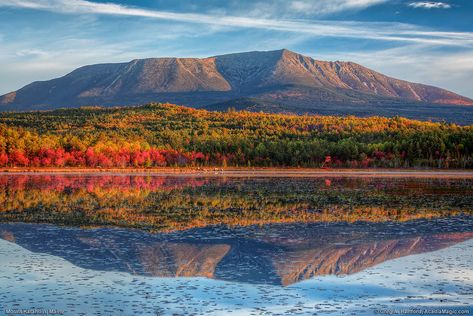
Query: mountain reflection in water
279,254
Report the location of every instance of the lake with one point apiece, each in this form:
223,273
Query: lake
120,244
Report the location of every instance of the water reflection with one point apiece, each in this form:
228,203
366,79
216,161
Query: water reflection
278,254
174,203
244,245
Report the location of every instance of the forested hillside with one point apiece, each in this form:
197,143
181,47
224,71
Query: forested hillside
169,135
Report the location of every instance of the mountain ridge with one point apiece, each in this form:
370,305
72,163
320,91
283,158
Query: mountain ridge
295,82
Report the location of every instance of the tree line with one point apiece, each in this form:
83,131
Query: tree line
158,135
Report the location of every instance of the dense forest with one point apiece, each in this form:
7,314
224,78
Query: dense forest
158,135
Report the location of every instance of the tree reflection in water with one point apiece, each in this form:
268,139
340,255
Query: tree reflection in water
170,203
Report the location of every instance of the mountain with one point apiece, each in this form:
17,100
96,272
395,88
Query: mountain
273,254
274,81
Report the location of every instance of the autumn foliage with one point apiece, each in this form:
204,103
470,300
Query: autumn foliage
159,135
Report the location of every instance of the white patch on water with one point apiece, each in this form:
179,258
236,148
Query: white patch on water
30,280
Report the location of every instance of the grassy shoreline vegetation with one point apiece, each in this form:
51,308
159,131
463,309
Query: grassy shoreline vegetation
165,135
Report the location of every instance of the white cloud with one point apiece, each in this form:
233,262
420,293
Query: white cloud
323,7
364,30
430,5
31,52
24,4
298,8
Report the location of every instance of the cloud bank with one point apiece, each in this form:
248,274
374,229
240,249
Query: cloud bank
374,31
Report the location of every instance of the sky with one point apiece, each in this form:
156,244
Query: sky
421,41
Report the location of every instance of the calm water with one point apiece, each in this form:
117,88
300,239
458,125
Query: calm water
150,245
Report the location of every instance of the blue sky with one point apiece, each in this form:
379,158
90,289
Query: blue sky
421,41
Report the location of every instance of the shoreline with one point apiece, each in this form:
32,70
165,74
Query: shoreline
252,172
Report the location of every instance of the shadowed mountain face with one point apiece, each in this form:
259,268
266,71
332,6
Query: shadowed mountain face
276,254
275,81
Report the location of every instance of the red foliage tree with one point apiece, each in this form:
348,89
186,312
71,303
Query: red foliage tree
19,158
3,159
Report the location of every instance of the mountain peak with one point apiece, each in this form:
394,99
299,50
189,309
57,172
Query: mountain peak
279,77
287,51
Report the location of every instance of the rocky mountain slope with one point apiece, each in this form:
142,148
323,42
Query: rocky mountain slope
275,81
